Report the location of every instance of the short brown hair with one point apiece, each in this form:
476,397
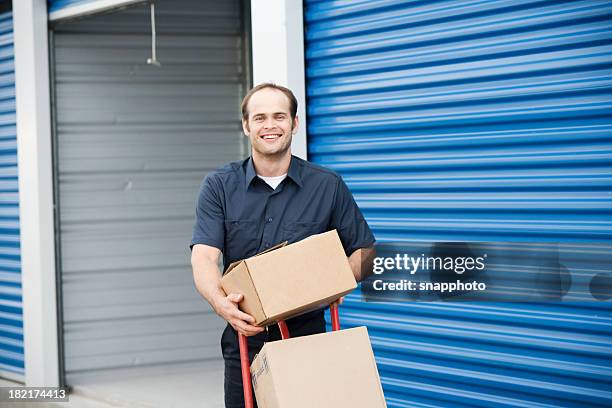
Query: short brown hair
293,105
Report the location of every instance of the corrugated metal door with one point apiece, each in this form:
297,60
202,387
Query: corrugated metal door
11,313
475,121
133,144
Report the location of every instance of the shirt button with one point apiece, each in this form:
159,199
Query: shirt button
269,219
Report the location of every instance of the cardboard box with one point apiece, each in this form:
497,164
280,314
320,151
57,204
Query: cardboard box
334,369
289,280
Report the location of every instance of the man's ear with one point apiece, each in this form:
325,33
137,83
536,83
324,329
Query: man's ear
296,124
245,127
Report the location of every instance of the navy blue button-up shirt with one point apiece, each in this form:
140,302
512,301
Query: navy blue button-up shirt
241,215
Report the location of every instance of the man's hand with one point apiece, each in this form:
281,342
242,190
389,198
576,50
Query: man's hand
227,308
361,262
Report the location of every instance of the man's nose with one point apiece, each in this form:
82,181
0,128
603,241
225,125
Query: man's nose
269,123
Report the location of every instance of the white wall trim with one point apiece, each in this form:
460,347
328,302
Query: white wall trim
278,54
90,7
35,173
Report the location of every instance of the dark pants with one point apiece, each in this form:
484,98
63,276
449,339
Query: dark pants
310,323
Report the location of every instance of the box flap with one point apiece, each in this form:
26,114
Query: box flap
232,266
235,263
272,248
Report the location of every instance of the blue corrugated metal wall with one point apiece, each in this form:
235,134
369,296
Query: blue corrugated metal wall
11,321
475,121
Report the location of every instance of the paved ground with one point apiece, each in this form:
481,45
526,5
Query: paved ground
178,386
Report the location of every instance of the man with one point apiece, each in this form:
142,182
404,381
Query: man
253,204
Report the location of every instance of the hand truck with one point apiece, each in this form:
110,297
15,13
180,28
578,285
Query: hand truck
245,365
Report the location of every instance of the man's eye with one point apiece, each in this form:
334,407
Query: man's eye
258,119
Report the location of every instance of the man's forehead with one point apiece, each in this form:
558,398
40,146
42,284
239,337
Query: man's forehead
268,100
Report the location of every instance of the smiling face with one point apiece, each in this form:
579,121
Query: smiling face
269,125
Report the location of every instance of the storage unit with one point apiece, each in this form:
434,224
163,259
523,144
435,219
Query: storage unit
11,312
133,142
472,121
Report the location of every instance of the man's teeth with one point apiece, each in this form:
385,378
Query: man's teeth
270,136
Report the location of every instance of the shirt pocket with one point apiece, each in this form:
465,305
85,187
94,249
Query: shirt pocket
294,231
241,238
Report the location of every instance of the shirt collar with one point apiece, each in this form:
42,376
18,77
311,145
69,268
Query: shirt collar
293,173
250,172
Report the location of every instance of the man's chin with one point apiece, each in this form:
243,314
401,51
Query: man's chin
276,153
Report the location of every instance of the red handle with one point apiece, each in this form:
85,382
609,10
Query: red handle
335,317
245,365
284,330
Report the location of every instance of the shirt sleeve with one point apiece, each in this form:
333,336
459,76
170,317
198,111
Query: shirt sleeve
348,220
209,226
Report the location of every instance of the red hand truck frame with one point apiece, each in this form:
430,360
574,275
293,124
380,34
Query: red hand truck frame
245,365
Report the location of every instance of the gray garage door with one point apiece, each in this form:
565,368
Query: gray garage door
133,142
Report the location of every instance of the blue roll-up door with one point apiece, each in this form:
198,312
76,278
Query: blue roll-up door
11,316
472,121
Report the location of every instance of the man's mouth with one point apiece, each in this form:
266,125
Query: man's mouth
271,136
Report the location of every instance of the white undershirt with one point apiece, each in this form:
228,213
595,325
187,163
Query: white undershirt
273,181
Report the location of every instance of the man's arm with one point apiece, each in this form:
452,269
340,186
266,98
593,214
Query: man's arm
361,261
355,234
207,279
